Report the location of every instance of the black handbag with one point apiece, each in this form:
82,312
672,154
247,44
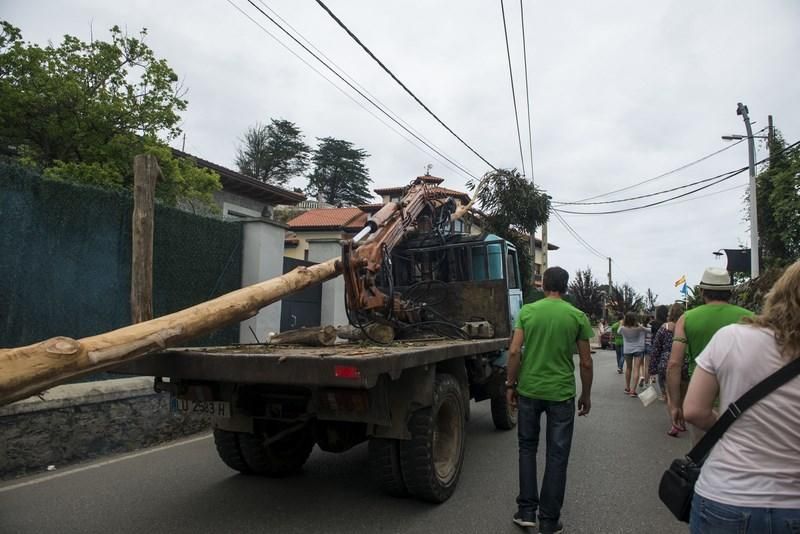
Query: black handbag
677,483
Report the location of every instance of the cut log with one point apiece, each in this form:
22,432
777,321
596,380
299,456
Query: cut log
382,333
25,371
314,336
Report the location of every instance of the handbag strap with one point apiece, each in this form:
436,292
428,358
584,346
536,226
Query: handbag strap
735,409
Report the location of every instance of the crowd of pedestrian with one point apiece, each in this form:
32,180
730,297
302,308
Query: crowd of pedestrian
701,361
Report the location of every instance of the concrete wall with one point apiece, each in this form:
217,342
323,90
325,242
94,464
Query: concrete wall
237,206
79,422
304,238
333,311
262,259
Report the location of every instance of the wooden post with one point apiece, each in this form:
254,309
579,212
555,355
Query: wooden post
145,174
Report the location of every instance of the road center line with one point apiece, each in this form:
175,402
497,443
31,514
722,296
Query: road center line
102,463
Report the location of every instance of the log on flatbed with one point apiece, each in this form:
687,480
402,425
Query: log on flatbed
382,333
26,371
312,336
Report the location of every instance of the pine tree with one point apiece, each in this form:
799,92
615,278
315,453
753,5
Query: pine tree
339,174
273,153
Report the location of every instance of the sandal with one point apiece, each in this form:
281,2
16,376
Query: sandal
674,431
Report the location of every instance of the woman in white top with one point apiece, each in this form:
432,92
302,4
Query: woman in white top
751,479
633,349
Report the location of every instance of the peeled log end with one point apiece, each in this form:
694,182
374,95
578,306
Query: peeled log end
28,370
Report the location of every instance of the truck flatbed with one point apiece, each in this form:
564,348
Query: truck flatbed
346,365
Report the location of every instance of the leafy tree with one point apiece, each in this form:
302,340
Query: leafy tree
778,188
512,206
625,299
81,111
339,174
273,153
586,293
651,299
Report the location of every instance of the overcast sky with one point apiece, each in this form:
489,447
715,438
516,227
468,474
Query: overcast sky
621,91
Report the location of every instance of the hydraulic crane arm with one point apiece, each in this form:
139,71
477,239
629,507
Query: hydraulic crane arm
421,208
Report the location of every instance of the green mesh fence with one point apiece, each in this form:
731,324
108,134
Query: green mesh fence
65,254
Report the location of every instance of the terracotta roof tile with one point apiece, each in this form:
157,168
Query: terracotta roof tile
327,218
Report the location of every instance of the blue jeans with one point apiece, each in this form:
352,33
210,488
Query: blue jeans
712,517
620,356
560,419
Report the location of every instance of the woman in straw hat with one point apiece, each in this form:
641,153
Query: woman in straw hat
751,479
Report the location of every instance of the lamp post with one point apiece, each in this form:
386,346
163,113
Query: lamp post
741,109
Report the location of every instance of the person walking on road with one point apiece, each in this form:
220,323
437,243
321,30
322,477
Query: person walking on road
618,343
542,380
633,348
750,482
659,356
694,330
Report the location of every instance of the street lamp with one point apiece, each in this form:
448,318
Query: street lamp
741,109
718,253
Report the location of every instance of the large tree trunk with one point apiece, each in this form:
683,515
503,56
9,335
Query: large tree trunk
315,336
25,371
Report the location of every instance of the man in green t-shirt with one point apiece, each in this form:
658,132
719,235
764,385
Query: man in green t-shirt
695,329
541,379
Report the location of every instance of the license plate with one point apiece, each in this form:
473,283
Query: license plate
215,408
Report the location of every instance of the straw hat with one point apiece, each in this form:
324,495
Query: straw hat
716,279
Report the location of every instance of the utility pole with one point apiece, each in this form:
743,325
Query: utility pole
544,246
741,109
610,282
770,133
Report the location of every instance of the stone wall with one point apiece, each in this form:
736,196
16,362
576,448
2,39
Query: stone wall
79,422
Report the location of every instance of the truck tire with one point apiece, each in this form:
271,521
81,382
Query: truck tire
431,460
229,451
384,466
279,458
504,416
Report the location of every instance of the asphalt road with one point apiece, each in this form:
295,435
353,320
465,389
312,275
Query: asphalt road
619,452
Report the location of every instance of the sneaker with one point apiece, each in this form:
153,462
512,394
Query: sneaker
551,528
619,371
525,523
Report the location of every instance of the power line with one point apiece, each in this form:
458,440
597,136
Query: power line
513,91
728,176
574,233
361,93
366,91
673,171
527,93
396,79
628,199
635,208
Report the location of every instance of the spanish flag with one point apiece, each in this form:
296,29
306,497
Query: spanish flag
681,280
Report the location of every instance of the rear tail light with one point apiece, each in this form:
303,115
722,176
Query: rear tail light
346,371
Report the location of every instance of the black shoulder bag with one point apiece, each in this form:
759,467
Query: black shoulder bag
677,484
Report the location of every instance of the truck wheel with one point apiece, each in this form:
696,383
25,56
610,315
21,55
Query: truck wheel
278,458
504,416
384,466
431,460
229,451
